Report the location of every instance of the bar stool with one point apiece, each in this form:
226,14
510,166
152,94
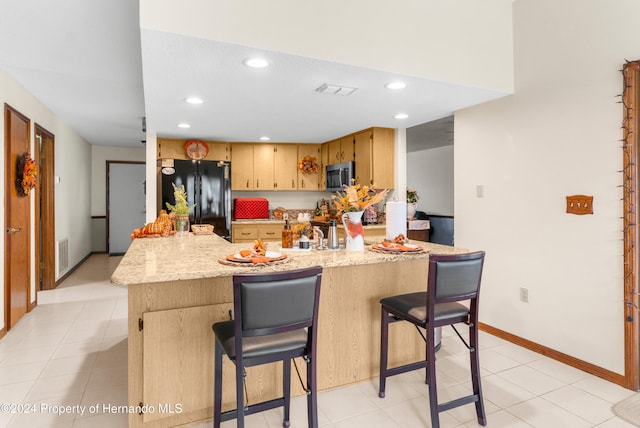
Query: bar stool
275,320
451,279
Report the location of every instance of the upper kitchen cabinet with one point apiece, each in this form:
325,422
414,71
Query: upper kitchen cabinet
375,157
310,181
242,166
263,166
286,167
174,148
324,157
341,150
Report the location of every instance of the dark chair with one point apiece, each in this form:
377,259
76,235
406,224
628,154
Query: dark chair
451,279
275,320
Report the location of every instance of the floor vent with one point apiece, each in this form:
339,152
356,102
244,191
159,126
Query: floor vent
62,255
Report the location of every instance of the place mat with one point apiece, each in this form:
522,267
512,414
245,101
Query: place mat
628,409
233,260
376,248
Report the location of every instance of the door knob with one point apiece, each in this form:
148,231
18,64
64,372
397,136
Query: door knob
13,229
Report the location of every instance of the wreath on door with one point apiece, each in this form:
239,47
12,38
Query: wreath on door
26,174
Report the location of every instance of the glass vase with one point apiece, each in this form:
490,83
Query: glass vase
182,224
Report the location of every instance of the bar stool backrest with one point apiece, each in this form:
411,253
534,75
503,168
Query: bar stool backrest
277,303
455,278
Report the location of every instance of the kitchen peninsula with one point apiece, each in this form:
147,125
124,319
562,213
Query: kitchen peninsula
177,289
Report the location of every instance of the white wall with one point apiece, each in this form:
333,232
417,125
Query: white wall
99,157
430,172
72,166
558,135
441,40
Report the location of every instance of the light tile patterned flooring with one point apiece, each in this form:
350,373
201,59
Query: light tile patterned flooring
72,350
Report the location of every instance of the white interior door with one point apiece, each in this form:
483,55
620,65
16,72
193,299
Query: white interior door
126,203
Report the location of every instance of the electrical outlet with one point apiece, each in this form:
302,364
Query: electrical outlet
524,295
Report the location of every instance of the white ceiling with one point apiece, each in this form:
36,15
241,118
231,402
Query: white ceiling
90,63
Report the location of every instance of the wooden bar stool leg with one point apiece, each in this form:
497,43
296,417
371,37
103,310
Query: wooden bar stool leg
384,347
475,374
431,378
312,397
286,390
240,393
217,386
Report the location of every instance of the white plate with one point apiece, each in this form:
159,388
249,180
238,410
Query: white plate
272,254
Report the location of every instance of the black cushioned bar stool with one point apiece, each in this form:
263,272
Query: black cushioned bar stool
275,318
451,279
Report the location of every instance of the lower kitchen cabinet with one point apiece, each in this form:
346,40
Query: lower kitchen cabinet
250,232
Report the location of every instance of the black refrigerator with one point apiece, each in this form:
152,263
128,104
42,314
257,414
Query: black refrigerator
208,185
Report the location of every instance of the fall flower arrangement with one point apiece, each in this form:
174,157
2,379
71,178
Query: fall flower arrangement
357,198
181,207
26,174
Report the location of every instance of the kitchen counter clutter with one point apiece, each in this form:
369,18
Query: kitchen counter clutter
177,289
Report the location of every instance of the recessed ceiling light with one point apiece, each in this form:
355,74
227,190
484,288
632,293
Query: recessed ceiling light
401,116
256,62
395,85
184,125
265,138
194,100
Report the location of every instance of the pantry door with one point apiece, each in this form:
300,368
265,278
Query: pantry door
17,249
125,203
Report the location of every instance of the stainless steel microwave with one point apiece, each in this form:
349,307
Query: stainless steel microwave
340,174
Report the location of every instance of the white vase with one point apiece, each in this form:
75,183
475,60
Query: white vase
353,231
411,209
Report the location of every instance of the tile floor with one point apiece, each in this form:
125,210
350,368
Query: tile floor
72,350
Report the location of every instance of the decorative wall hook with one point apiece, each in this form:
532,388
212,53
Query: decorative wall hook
579,204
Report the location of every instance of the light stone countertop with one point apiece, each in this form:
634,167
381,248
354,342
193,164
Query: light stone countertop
177,258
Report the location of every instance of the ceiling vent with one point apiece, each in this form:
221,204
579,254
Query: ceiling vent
335,89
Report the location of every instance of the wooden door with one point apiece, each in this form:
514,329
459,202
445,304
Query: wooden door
125,203
45,209
309,181
263,166
286,167
17,251
242,166
363,158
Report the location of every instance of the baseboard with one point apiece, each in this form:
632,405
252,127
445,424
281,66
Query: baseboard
73,269
556,355
3,331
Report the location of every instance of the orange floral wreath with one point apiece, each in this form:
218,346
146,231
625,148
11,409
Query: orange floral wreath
26,174
308,165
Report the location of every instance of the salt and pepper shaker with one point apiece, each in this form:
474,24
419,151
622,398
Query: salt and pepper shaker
333,243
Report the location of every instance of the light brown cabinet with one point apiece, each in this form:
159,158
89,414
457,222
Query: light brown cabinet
242,166
263,166
309,181
286,167
173,148
247,233
375,157
341,150
324,156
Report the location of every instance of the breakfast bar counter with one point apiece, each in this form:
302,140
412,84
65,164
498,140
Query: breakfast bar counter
177,288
